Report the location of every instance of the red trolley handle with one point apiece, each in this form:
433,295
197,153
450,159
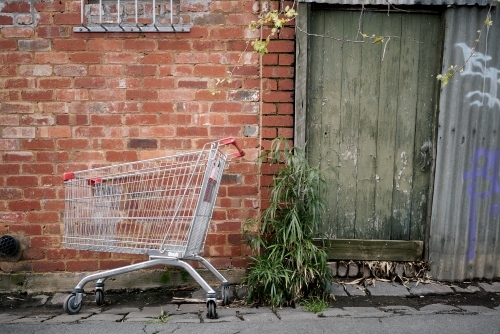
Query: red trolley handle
232,141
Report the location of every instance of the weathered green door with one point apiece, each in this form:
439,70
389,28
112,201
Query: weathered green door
371,114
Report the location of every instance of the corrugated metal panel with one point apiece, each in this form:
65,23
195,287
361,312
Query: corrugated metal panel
403,2
465,225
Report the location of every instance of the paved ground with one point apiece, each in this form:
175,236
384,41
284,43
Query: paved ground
382,301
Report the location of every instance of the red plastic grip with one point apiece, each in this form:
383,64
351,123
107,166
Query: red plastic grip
68,176
232,141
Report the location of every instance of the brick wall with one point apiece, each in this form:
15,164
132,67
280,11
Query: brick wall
72,101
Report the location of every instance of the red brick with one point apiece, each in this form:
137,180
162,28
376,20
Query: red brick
199,84
57,254
104,45
11,217
243,119
175,45
106,95
86,57
278,72
8,44
37,95
157,58
210,70
159,83
151,106
48,266
89,265
242,191
33,254
124,82
139,45
16,58
67,18
8,267
228,32
277,96
60,131
6,20
192,131
89,131
90,82
70,70
34,45
224,106
17,156
105,70
53,107
24,205
121,156
122,58
85,156
48,181
29,229
10,193
72,144
51,83
37,168
8,70
17,32
158,131
140,70
9,120
141,95
9,169
69,45
16,7
106,119
173,119
178,95
51,58
40,193
141,119
52,32
52,156
112,144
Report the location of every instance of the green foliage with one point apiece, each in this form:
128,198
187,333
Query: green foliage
276,20
315,305
289,266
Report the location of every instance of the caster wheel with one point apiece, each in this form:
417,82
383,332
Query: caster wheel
99,297
70,305
211,310
225,295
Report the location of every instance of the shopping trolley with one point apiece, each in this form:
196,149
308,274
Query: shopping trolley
160,207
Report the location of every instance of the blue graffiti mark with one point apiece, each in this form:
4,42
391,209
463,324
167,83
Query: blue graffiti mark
489,173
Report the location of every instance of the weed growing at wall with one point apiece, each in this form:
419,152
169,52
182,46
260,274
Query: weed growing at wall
288,266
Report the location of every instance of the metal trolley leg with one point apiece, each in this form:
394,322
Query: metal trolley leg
73,303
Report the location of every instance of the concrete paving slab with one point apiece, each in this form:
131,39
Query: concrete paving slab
104,317
334,312
121,310
354,290
296,313
438,308
338,290
387,289
399,309
31,319
477,309
57,299
261,317
365,312
469,289
493,287
421,289
6,317
66,318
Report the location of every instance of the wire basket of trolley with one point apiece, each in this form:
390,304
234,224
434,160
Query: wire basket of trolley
159,207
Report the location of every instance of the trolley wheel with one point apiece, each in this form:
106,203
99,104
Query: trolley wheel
70,305
225,295
211,310
99,297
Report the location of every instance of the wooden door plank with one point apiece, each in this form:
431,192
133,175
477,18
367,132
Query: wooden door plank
330,118
371,250
405,133
348,150
371,57
429,65
386,131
